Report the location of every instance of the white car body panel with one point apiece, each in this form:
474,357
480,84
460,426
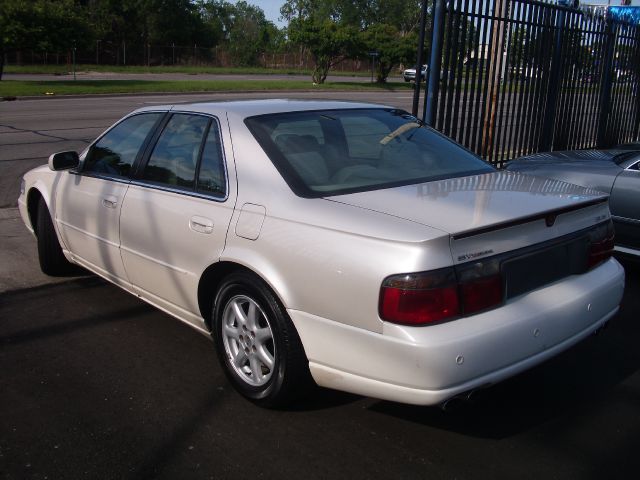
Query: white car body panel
428,365
88,219
326,259
465,204
162,253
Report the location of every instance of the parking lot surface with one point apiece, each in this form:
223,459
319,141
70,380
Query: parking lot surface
97,384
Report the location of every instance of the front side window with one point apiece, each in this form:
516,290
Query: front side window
116,151
361,149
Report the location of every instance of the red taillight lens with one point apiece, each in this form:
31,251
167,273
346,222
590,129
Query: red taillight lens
481,285
481,294
439,295
420,298
601,244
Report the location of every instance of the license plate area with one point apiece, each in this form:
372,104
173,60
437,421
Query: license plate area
527,272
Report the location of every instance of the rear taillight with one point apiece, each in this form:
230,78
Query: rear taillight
420,298
439,295
601,243
481,285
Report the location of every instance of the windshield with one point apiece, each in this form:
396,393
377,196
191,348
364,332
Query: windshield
331,152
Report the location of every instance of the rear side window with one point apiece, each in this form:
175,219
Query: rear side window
188,156
175,156
211,178
116,151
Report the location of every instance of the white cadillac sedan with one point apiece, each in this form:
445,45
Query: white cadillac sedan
342,242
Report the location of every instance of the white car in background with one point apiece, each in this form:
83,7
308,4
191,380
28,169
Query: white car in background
342,242
409,75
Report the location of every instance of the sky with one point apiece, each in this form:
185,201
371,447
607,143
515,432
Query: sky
271,9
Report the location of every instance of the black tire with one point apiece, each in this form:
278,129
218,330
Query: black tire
288,376
52,260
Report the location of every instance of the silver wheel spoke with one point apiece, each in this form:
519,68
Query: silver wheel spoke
262,335
252,316
239,313
232,332
265,357
240,359
256,369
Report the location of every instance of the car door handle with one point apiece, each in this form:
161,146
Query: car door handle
110,202
201,225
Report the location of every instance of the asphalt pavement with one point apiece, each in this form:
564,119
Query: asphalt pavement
97,384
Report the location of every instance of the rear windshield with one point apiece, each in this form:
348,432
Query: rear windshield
332,152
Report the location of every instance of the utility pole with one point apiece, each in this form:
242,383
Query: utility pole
73,56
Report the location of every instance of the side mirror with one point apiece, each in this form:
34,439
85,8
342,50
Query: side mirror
63,161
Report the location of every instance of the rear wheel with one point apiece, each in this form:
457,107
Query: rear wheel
257,344
52,260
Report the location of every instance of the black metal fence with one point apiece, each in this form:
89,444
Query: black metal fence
521,76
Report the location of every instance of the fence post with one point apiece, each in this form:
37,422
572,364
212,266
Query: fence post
550,108
604,104
433,74
419,61
636,85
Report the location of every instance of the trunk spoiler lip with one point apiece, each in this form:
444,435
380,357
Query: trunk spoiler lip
529,218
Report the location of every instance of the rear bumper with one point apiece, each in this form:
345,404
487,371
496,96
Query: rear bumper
427,365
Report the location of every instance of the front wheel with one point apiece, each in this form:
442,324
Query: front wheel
257,344
52,260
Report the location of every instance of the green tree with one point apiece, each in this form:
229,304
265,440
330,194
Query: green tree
392,48
42,26
242,28
328,42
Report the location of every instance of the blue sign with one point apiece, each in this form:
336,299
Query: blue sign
625,14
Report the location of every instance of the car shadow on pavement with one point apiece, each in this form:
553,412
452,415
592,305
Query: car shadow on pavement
578,382
318,398
17,302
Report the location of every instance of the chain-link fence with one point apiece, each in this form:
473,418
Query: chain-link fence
122,54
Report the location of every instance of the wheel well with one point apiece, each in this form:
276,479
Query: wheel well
33,201
209,283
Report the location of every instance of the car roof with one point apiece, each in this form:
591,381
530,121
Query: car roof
250,108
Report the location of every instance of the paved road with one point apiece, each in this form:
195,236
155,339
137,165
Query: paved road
96,384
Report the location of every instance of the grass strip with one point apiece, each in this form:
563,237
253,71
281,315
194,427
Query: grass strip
15,88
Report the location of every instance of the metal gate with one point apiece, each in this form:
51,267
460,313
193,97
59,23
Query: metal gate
522,76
